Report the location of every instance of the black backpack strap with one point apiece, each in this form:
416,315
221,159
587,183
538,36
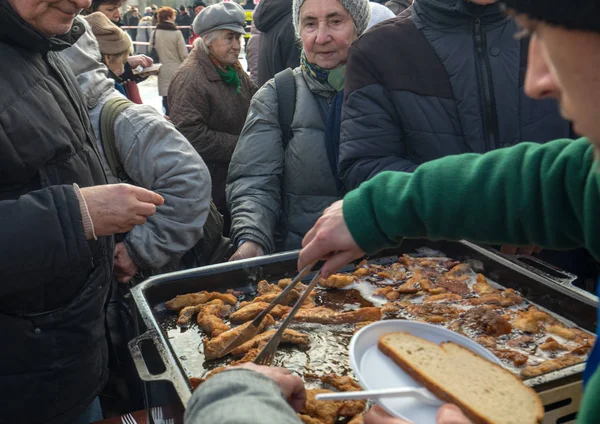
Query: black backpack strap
285,85
110,112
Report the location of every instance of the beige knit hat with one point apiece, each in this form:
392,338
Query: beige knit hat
111,38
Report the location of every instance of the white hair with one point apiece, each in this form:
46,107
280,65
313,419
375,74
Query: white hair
208,39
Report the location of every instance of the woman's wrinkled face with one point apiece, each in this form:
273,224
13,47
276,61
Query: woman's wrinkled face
50,17
326,31
111,11
226,48
556,70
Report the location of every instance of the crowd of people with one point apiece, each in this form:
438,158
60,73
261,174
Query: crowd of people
358,123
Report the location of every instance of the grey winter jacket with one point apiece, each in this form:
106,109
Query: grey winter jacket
453,84
155,156
257,400
275,193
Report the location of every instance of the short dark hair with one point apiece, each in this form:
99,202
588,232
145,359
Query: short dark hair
182,8
97,3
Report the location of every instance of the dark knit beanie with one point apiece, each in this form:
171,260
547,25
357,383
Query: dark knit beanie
581,15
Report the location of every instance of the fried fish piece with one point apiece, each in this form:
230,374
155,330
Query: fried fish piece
528,321
213,348
454,286
336,281
324,315
352,408
187,313
552,345
289,336
581,350
251,311
482,286
393,274
488,342
434,313
212,325
214,307
360,325
526,343
250,356
264,288
551,365
283,283
307,419
388,292
503,298
517,358
415,284
342,383
193,299
458,273
326,411
444,297
484,320
362,272
562,331
437,290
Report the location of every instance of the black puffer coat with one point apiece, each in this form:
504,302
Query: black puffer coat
278,48
53,283
447,80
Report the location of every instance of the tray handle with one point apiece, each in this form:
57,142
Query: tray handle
140,362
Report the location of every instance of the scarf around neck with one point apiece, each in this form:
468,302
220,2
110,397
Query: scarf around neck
229,75
328,77
167,26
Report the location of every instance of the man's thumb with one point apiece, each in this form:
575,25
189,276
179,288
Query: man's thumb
451,414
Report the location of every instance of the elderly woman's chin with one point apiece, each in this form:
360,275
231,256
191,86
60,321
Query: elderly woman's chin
330,60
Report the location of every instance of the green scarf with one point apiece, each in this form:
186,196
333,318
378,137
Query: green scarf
229,75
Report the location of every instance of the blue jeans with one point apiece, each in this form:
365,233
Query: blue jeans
91,414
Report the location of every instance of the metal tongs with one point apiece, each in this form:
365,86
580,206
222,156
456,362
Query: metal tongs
252,329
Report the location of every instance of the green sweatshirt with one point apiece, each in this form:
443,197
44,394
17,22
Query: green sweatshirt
548,195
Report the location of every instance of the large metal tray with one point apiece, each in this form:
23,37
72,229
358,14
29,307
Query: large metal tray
575,306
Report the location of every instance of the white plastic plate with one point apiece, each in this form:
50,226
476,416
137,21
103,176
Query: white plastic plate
375,370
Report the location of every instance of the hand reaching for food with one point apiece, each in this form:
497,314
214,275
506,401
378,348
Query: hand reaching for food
330,240
290,384
124,267
248,249
448,414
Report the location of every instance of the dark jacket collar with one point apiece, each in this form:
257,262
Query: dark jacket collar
14,30
457,12
268,12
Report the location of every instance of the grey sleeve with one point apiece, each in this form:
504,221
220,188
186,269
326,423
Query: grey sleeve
239,397
255,173
42,235
157,157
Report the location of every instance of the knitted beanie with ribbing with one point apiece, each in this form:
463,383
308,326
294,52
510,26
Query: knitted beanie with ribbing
572,14
359,10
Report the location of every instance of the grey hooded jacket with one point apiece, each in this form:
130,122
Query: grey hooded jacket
452,84
155,156
275,193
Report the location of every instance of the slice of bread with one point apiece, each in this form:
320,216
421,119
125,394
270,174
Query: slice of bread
486,392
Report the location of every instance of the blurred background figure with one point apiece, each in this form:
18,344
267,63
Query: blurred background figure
171,49
278,48
184,19
379,13
252,50
115,48
249,5
143,34
110,8
210,94
199,6
398,6
132,18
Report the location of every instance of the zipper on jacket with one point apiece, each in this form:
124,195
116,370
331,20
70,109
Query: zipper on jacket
490,117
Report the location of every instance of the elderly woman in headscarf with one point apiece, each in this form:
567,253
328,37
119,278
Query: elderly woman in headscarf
210,93
281,176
